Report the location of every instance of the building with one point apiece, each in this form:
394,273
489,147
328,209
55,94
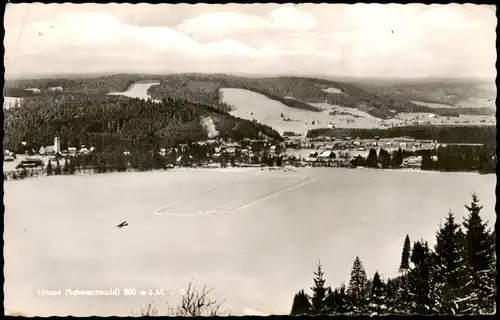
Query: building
272,150
57,145
326,156
72,151
412,162
48,151
83,150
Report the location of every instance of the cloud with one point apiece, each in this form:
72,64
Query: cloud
291,18
358,40
222,23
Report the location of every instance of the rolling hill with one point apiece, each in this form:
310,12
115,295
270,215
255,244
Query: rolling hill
299,92
383,101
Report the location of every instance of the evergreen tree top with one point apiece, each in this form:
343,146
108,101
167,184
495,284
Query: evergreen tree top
405,255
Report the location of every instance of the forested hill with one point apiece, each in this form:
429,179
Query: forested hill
295,92
118,123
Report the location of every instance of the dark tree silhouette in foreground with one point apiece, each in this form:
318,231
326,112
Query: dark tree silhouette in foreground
358,289
318,299
480,258
301,304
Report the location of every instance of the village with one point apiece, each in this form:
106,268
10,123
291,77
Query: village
298,151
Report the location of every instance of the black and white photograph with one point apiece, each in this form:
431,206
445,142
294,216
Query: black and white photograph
249,159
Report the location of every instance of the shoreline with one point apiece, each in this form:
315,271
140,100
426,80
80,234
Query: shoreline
274,169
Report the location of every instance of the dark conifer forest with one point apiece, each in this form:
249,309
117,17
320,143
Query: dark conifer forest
456,276
114,123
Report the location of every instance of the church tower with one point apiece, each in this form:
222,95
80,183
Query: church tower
57,145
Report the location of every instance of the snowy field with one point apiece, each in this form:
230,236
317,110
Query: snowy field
251,105
256,236
433,104
11,102
137,90
333,90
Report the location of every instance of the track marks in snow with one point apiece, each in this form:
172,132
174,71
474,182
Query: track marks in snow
230,206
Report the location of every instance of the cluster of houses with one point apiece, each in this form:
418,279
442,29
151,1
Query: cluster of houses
55,150
247,150
365,144
322,156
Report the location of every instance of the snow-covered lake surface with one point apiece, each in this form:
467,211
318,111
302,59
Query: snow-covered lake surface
137,90
229,229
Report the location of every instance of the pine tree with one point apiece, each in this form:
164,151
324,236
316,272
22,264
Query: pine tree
66,166
384,158
330,300
392,301
49,168
427,163
371,159
447,267
301,304
378,296
342,303
72,166
318,299
420,279
405,256
358,287
480,256
397,158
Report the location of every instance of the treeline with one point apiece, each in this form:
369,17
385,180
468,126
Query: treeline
185,88
456,276
443,134
92,86
118,123
449,158
17,93
461,158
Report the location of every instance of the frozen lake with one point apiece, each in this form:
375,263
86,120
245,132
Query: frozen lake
229,229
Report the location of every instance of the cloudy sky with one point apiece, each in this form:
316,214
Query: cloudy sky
314,39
